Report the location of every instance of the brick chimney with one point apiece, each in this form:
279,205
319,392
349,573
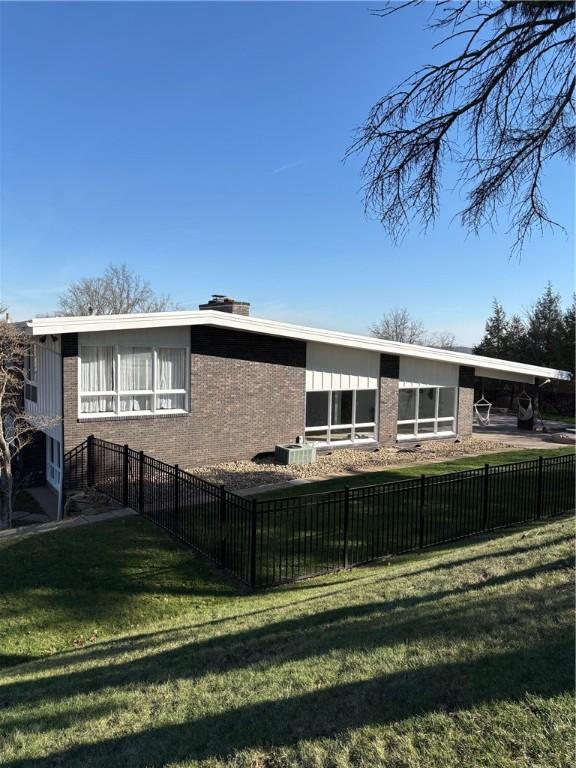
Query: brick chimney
226,304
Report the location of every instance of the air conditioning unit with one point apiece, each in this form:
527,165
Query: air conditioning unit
295,453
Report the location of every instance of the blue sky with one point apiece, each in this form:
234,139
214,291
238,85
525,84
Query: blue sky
202,144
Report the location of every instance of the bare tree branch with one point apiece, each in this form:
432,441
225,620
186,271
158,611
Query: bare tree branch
118,291
16,427
501,110
399,325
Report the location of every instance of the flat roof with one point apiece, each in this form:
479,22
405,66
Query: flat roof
42,326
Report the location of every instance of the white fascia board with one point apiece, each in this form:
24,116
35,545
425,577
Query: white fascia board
57,325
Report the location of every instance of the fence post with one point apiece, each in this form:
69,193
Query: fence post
141,482
540,490
422,503
345,535
253,514
222,523
177,520
125,477
90,461
485,505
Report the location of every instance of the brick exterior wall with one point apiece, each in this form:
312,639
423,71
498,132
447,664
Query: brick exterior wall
247,394
466,376
388,399
230,306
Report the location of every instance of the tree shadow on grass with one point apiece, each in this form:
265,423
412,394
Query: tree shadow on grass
376,575
536,669
94,573
364,628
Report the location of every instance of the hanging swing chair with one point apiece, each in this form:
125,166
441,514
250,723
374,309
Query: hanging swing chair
525,411
482,410
525,406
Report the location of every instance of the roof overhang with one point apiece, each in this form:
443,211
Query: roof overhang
493,368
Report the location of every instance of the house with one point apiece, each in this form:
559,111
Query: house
213,385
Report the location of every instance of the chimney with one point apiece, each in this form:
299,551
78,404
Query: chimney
226,304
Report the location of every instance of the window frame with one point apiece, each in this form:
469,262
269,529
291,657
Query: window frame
435,420
118,393
353,426
31,367
53,461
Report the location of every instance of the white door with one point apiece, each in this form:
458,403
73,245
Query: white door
53,462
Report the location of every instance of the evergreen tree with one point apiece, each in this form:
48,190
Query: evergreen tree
517,344
494,343
545,329
568,340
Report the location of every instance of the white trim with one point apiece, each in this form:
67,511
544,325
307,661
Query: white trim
353,427
56,325
434,420
118,394
53,469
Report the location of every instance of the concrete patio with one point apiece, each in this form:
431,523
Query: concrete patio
504,426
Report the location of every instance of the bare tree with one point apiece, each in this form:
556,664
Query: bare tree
442,340
118,291
399,325
502,108
16,427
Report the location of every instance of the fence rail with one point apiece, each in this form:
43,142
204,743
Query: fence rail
270,542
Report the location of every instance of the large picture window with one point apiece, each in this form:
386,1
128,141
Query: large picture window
426,411
132,380
343,416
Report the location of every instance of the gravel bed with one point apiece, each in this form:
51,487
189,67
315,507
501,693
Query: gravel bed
246,474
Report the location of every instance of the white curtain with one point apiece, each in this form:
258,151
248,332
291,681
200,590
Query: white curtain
135,369
171,402
135,403
97,369
98,404
171,369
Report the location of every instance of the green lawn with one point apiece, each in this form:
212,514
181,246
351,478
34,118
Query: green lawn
122,649
556,417
408,472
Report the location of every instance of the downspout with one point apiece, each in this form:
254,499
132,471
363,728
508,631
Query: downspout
60,512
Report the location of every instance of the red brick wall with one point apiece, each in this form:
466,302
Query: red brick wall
466,376
388,407
247,394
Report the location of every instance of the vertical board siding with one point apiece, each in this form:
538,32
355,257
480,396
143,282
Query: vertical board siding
49,386
332,367
427,373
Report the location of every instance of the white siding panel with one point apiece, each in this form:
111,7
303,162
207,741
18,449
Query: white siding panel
48,381
138,337
429,373
493,373
332,367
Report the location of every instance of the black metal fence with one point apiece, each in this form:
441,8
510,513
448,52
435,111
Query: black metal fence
271,542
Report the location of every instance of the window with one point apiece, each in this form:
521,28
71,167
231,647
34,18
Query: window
426,411
343,416
30,374
132,380
53,462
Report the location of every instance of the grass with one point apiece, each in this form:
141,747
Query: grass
407,472
120,648
558,417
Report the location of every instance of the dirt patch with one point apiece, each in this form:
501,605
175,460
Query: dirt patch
247,474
